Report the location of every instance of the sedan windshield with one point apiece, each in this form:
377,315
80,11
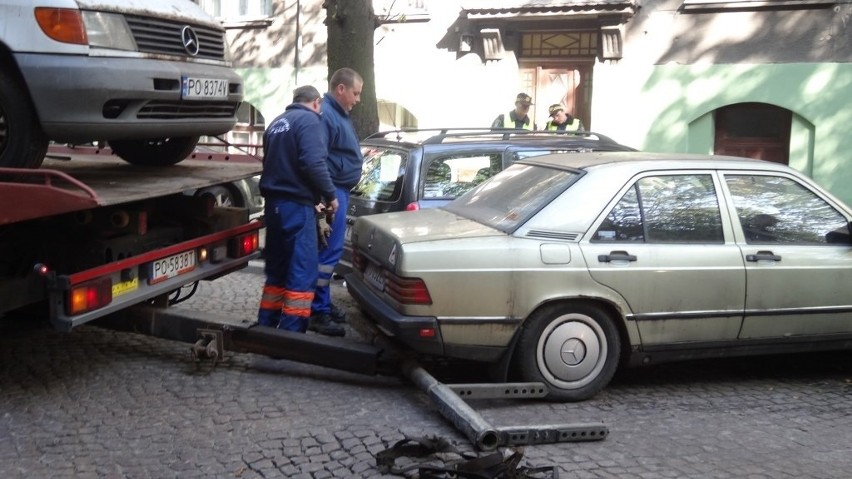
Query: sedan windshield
508,200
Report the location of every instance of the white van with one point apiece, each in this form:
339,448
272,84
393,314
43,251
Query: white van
149,77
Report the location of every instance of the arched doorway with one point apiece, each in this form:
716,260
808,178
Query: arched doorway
753,130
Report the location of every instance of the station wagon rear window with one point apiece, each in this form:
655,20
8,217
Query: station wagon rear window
382,175
511,198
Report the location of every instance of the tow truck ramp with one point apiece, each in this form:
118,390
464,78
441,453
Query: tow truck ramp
212,335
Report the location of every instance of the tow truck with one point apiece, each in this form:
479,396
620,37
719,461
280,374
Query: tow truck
91,238
88,235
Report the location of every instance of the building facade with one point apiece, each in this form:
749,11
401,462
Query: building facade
766,79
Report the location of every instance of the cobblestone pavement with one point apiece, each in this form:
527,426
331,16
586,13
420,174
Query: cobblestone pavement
103,404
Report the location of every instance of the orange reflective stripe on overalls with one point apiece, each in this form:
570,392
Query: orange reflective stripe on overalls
297,303
272,298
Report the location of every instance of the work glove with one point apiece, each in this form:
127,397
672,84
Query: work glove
323,230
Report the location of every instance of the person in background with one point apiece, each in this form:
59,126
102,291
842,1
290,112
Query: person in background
559,120
519,117
294,180
344,160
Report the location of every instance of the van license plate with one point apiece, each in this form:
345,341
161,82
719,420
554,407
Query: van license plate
203,88
172,266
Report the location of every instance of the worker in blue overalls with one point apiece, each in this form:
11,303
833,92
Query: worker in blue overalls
295,179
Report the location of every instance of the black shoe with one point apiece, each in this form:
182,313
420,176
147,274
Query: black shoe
323,324
338,315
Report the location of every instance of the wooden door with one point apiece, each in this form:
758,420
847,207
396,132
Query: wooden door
754,130
569,85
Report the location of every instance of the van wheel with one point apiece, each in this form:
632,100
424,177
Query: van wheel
574,349
23,144
154,152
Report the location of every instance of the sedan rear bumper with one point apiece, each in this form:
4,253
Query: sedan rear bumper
405,329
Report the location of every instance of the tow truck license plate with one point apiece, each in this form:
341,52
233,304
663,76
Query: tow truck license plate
172,266
203,88
374,276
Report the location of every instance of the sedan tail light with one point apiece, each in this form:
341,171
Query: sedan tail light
407,290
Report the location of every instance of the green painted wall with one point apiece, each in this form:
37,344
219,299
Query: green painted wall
669,108
270,90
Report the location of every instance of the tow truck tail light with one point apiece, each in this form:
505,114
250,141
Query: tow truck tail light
407,290
62,24
89,296
244,245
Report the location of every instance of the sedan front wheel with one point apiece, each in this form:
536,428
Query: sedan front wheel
574,349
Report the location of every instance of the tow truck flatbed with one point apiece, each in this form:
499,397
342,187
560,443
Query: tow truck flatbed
71,183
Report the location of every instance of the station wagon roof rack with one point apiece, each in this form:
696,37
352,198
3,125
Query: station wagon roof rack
440,135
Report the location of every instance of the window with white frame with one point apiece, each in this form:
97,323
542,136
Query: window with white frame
700,6
393,11
233,9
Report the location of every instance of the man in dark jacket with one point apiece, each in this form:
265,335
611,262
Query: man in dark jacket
294,180
344,165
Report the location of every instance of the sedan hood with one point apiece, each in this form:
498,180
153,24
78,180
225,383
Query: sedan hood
423,225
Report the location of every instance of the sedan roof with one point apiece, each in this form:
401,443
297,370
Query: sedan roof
651,161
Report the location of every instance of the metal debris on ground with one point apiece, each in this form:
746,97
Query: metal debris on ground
432,457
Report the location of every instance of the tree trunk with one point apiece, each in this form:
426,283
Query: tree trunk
351,24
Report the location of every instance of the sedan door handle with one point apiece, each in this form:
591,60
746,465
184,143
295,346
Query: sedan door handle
616,256
763,256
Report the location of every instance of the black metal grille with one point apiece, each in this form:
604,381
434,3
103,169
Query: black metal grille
171,110
154,35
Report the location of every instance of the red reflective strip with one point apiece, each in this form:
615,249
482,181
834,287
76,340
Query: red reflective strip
298,303
298,295
272,297
300,312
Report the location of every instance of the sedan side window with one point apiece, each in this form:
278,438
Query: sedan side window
774,209
665,209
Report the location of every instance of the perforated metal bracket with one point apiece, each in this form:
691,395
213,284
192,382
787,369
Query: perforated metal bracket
500,390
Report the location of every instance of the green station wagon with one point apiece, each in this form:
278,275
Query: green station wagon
562,268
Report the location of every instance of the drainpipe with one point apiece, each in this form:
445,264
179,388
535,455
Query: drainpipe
296,60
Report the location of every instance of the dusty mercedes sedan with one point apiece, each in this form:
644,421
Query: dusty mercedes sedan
564,267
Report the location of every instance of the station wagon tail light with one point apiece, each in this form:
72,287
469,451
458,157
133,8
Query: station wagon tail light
412,207
89,296
407,290
62,24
